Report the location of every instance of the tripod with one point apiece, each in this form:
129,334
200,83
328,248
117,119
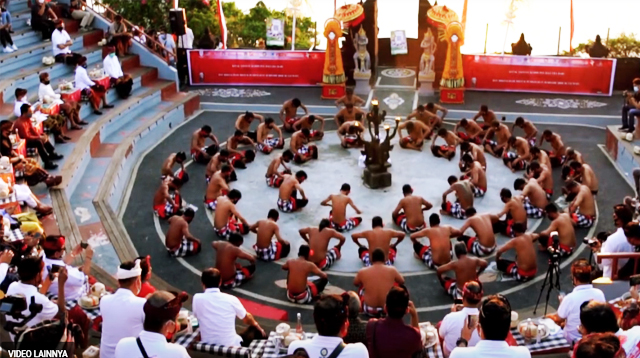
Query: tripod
552,279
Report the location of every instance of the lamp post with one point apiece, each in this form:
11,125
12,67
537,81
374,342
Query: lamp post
376,151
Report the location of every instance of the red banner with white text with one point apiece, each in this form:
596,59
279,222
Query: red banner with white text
255,67
566,75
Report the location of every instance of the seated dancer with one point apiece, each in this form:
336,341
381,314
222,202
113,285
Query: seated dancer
542,174
584,174
266,142
541,156
425,117
288,200
472,131
243,124
520,159
298,145
558,155
417,132
122,82
350,134
318,240
464,198
240,158
307,122
378,238
268,249
447,150
350,98
289,113
514,211
535,198
180,177
299,288
530,130
583,207
466,269
476,152
574,156
215,164
273,177
199,152
475,174
561,225
91,91
432,111
374,283
179,241
488,117
525,266
166,204
227,220
484,241
439,251
217,187
501,135
338,215
232,273
348,114
408,214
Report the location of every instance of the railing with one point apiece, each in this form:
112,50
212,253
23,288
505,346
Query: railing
635,256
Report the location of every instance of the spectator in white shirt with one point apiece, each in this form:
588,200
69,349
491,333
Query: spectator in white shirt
160,320
121,81
91,91
138,35
5,259
186,41
122,313
330,315
453,322
71,109
599,345
216,313
166,40
598,317
21,98
55,258
61,42
493,327
616,242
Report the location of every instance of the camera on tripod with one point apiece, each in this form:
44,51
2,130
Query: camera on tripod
554,248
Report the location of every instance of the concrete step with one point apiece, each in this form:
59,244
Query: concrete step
30,55
114,128
19,20
117,135
17,6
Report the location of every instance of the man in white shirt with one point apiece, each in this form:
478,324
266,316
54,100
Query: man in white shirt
122,313
161,314
493,327
216,313
330,314
186,41
61,42
77,283
121,81
90,91
598,317
166,40
71,109
616,242
453,322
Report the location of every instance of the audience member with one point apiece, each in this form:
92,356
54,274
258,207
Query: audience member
616,242
598,317
21,98
631,108
453,322
147,288
330,314
160,320
92,92
24,194
166,40
85,17
123,83
186,41
357,332
119,37
600,345
138,35
54,252
122,312
34,140
42,17
5,32
61,42
5,15
71,109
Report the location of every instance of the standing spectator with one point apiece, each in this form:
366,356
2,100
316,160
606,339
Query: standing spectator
34,140
5,31
42,17
616,242
330,314
600,345
494,324
357,332
61,42
147,288
207,41
391,337
216,313
119,37
166,40
454,321
598,317
91,91
122,313
71,109
121,81
85,17
186,41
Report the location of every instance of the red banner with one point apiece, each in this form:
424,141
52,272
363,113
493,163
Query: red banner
255,67
570,75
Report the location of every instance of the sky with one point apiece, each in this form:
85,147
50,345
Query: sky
539,20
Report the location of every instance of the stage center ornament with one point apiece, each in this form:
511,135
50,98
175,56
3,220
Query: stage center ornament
376,151
333,77
452,81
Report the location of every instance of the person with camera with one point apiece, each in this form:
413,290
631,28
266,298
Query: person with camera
454,321
614,243
631,107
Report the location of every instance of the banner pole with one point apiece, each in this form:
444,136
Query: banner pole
559,33
607,43
486,34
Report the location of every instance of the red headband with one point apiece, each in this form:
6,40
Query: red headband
54,245
169,311
466,293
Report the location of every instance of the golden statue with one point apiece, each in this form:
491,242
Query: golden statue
333,68
427,60
453,75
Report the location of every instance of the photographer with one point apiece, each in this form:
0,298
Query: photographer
631,108
55,258
616,242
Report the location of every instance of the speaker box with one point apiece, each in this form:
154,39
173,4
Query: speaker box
178,21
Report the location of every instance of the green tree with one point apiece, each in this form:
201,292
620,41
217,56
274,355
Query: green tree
621,46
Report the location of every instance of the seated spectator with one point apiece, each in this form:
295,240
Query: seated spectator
147,289
453,322
616,242
122,312
217,311
494,323
160,321
25,195
598,317
34,140
631,108
85,17
5,32
119,37
71,109
5,260
357,332
42,18
166,40
91,91
5,15
138,35
21,98
391,337
122,82
600,345
61,42
330,314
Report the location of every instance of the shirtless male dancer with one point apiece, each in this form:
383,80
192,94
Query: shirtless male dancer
501,135
299,288
584,174
307,122
447,150
583,207
374,283
417,132
318,240
408,213
530,130
243,124
439,251
217,187
227,220
265,141
484,241
574,155
488,117
476,152
378,237
180,177
514,210
232,273
348,114
199,152
433,109
240,158
475,174
350,134
562,225
273,177
558,155
289,113
268,249
525,266
464,198
542,174
466,269
338,215
535,198
215,164
472,131
288,200
422,115
541,156
519,159
165,203
179,241
298,145
350,98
